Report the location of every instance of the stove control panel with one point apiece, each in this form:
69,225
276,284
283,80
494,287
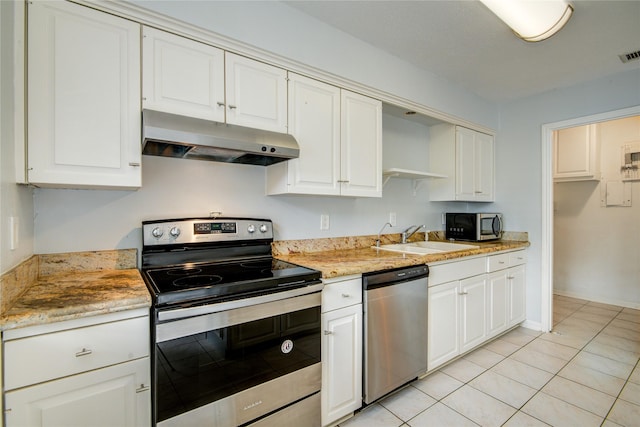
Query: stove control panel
204,230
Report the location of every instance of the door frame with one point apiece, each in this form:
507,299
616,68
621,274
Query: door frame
546,276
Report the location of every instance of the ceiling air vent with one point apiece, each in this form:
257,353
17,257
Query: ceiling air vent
631,56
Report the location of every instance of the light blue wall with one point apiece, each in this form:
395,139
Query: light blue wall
519,155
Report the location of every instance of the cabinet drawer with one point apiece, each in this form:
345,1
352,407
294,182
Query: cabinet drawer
442,273
44,357
341,294
517,258
497,262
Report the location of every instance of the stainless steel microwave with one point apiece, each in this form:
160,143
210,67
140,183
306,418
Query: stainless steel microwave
473,226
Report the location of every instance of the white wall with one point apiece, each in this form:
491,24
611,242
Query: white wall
519,160
15,201
593,244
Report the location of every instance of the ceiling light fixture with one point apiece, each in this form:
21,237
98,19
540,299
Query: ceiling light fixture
532,20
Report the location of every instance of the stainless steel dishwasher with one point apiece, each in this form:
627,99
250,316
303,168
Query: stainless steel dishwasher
395,329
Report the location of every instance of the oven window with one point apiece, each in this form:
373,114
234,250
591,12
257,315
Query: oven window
202,368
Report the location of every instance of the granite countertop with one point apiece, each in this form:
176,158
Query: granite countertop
343,262
77,288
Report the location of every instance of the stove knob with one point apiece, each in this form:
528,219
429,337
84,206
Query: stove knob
263,228
157,232
175,232
251,228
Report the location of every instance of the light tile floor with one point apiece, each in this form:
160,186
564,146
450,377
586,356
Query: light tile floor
584,373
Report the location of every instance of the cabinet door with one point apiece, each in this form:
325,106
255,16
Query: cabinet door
516,277
465,164
314,120
497,303
83,97
182,76
361,146
473,312
256,94
115,396
483,168
444,318
341,362
474,165
576,154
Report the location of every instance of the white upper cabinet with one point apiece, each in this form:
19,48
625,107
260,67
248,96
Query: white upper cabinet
361,145
466,157
340,138
83,98
576,154
256,94
314,120
190,78
182,76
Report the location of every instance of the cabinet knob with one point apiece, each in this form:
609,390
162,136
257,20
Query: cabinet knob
84,352
220,104
328,333
232,107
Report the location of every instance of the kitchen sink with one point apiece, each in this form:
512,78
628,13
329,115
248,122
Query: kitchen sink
425,248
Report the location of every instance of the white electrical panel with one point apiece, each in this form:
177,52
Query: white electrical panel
630,168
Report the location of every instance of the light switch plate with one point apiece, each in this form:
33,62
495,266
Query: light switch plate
392,219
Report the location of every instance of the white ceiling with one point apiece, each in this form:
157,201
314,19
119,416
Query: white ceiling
464,42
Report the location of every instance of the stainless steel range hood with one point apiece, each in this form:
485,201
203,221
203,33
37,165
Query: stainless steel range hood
172,135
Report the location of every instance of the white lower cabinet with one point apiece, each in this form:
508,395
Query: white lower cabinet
341,348
473,300
85,372
457,309
113,396
506,291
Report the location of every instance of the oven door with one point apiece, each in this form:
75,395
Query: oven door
227,368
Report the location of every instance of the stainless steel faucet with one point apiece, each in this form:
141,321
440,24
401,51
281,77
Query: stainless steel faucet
380,232
406,235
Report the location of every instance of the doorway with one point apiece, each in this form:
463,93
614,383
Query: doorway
548,198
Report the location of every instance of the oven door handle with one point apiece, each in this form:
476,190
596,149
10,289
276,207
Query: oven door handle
191,325
181,313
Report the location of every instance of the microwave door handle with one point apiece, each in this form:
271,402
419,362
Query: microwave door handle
497,226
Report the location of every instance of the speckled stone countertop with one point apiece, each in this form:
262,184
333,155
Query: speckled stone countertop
76,285
344,256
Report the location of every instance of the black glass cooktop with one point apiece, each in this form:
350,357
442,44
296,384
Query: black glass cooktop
225,281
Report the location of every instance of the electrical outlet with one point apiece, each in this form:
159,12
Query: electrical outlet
324,222
392,219
443,220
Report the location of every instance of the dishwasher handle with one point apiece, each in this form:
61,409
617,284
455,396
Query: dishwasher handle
379,279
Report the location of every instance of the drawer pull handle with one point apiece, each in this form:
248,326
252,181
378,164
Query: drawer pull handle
346,295
500,262
84,352
328,333
220,104
511,277
232,107
463,293
142,388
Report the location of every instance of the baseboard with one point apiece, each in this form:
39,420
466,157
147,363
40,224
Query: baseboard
595,298
530,324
